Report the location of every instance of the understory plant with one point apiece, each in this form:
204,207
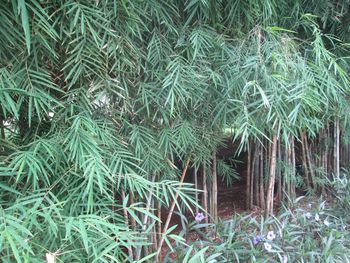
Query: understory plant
309,232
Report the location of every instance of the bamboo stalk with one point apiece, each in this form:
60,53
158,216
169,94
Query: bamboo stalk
133,221
205,193
248,180
159,224
261,178
154,231
305,160
279,174
290,182
309,161
293,173
196,186
2,127
272,175
342,151
171,211
255,173
326,150
346,157
337,150
252,177
126,221
334,148
286,174
215,189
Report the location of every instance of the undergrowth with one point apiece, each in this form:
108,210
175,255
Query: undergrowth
309,230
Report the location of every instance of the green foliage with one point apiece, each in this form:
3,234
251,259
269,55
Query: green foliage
339,187
99,97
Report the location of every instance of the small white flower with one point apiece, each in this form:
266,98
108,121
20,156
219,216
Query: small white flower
284,259
270,235
268,247
309,205
323,205
50,258
308,215
317,217
326,223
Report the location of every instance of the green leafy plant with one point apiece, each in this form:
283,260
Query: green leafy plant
106,105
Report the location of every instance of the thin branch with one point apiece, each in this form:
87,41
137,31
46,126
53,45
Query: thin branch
166,226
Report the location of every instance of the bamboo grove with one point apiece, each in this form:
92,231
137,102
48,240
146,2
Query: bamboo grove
106,107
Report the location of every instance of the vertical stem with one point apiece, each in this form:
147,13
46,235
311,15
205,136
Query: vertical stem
248,181
334,147
309,161
342,151
215,189
2,128
272,175
159,224
326,150
171,211
154,231
286,174
279,174
126,222
345,155
255,173
304,153
293,173
205,192
210,197
196,186
337,149
261,178
159,215
323,155
252,179
290,168
133,221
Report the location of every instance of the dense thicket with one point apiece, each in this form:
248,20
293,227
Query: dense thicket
104,104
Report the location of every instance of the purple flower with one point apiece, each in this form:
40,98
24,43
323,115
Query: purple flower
199,217
256,240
